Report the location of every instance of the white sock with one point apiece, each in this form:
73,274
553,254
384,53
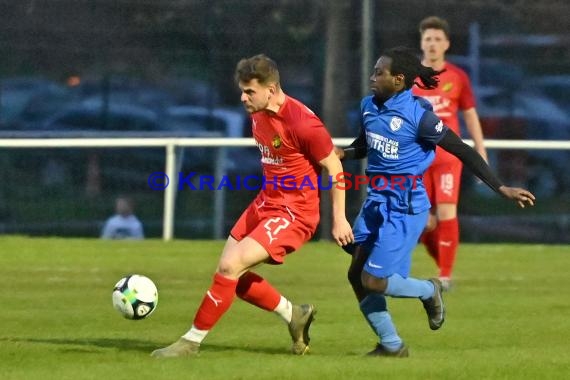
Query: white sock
195,335
284,309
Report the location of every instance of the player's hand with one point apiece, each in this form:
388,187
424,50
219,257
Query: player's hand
342,232
522,196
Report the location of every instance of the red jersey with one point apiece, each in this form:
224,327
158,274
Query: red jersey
453,93
292,142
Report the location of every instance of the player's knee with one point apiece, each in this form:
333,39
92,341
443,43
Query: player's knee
374,284
229,268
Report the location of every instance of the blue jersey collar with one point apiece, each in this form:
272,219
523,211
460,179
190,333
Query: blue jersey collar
399,98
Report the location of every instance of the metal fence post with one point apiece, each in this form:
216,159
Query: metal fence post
219,195
169,193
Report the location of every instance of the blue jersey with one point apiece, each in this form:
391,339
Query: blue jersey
401,136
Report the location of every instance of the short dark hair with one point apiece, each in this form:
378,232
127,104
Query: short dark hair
405,61
434,22
259,67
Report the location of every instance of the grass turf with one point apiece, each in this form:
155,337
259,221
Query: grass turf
508,316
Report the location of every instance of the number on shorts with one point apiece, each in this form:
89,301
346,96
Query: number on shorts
274,225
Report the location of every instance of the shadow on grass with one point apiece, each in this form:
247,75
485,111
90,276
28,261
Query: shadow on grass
140,345
219,348
119,344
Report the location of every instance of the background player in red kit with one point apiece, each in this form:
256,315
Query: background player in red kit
442,179
294,144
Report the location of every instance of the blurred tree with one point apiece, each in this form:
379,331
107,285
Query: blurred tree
337,58
335,83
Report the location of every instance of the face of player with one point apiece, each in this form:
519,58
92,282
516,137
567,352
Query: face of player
255,96
123,207
382,83
434,44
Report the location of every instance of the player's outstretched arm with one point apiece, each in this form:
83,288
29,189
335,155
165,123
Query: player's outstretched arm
470,158
355,151
341,230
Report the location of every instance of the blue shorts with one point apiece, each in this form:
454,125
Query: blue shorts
390,236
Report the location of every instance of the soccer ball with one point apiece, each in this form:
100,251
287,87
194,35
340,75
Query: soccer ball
135,296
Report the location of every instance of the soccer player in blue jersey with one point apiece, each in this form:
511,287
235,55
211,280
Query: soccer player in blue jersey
399,135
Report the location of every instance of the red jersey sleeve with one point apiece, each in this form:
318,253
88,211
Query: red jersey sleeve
313,139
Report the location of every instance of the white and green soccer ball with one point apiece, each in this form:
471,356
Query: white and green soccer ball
135,296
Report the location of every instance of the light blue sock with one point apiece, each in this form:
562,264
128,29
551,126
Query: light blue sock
374,309
399,286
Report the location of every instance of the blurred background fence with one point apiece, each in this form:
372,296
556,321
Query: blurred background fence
102,68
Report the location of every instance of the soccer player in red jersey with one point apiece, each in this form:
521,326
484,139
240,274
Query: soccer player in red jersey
294,145
442,179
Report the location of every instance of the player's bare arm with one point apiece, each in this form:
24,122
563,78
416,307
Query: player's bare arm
339,152
341,229
475,131
454,145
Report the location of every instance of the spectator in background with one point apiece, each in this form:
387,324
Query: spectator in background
124,224
442,178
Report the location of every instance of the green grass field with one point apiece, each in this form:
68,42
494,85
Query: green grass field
508,316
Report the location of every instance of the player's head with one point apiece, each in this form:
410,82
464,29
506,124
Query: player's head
258,80
123,206
434,38
396,70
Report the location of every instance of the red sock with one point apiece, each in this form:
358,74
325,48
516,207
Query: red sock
216,302
448,237
257,291
429,239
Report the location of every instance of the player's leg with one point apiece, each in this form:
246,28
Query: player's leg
236,259
257,291
365,229
374,309
447,224
429,235
387,269
359,256
280,233
372,305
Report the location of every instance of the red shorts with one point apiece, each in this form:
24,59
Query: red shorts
442,181
275,227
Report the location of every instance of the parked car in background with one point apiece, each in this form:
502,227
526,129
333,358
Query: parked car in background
225,122
15,93
555,87
526,114
119,90
94,116
41,106
192,91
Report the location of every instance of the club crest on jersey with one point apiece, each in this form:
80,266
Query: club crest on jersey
276,142
439,126
447,86
396,123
